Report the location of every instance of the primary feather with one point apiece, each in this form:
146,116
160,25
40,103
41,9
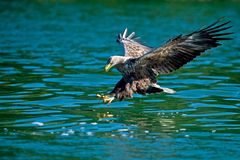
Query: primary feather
183,49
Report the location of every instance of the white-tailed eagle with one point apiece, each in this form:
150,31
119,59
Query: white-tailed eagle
141,65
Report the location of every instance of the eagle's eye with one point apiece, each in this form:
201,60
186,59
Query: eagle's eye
109,60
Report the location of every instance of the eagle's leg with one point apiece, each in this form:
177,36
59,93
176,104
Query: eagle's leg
106,99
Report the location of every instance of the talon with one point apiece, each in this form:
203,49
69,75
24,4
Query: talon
105,98
108,100
99,95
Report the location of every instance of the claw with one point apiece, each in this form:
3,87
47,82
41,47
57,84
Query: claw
105,98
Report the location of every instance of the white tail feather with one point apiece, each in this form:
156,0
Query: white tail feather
168,90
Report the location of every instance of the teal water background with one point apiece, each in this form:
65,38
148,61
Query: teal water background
52,55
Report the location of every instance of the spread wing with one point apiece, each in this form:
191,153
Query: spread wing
132,47
182,49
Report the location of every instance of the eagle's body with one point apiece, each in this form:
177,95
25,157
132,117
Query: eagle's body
141,65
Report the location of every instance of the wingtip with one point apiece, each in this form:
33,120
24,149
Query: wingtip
217,26
131,35
221,19
124,36
120,35
125,32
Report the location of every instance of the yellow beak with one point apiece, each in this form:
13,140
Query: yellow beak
108,67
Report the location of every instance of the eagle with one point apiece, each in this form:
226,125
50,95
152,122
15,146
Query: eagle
141,65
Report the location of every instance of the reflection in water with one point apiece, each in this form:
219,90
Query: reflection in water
51,67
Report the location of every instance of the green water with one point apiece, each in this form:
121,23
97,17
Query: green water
52,56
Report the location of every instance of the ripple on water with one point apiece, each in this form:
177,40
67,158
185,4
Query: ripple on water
36,111
192,81
93,128
81,80
122,104
212,105
202,93
65,101
214,114
34,85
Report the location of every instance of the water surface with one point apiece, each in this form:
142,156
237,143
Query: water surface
51,67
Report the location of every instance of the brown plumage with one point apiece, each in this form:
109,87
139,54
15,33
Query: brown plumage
142,64
131,46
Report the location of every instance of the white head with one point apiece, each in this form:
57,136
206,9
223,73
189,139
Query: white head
115,60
